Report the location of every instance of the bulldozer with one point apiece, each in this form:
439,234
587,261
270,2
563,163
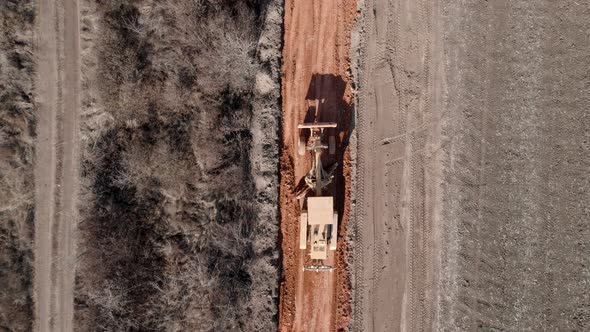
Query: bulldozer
318,221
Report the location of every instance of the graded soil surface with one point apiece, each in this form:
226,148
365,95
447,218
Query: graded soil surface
315,73
56,170
398,116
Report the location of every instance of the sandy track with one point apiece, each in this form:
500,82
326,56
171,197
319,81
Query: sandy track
398,136
56,171
315,58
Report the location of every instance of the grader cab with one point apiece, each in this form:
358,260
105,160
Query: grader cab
318,222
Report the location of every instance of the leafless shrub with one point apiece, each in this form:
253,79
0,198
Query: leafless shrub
168,224
17,126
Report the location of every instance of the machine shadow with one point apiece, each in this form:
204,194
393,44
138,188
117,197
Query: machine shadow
326,103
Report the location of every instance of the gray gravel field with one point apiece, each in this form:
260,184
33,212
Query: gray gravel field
516,201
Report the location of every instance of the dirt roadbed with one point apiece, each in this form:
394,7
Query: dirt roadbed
56,170
397,126
316,70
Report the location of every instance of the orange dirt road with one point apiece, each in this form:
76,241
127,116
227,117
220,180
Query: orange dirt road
315,72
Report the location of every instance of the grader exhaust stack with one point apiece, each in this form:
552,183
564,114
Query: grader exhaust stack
318,224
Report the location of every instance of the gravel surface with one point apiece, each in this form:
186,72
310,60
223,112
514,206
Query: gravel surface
493,209
515,213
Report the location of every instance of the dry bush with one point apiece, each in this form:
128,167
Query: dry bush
168,221
17,126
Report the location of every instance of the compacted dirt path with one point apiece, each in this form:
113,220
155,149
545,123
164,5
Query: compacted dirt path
56,171
315,72
398,69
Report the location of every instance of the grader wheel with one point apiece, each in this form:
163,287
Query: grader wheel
334,231
303,230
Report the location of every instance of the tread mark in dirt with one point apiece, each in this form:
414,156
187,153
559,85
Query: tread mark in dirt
407,38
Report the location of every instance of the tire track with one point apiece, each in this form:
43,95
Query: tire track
45,163
408,53
56,164
362,82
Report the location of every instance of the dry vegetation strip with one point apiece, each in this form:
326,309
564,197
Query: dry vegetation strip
17,127
172,233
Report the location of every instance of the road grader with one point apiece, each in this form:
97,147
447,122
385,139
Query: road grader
318,221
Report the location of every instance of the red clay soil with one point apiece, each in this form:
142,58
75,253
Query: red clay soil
315,72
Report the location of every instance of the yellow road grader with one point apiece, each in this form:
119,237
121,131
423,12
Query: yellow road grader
318,221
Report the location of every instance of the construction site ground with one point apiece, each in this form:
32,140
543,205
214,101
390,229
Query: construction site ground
397,69
469,150
515,180
462,186
396,126
471,179
315,69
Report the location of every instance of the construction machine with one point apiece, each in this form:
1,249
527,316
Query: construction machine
318,221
